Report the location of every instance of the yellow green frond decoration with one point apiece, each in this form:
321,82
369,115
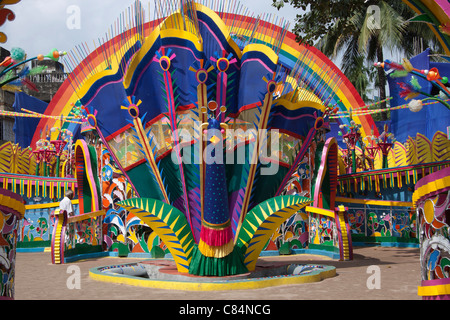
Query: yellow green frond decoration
169,224
262,221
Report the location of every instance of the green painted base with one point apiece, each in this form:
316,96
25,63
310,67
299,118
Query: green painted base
323,247
82,249
383,239
33,244
157,252
230,265
121,248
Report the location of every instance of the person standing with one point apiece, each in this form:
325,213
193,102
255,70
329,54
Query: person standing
66,203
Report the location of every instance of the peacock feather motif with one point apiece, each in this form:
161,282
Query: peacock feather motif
208,128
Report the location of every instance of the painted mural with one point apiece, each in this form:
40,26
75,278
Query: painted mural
322,231
123,232
383,222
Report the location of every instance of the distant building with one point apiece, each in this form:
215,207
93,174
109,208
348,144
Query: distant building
6,103
48,83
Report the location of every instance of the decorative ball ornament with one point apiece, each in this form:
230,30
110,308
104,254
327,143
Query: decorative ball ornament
55,55
18,54
433,74
444,80
212,105
415,105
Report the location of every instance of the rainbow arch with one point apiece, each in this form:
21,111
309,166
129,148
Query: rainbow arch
112,58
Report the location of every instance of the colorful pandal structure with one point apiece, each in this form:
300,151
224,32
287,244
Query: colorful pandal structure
207,115
432,202
423,164
207,127
64,236
431,197
12,210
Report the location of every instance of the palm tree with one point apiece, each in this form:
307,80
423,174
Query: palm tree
371,33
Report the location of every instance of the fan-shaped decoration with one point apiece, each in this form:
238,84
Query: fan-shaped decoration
208,126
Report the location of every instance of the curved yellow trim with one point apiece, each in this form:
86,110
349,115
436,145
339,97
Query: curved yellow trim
430,291
264,49
220,226
375,202
185,35
247,284
432,186
222,27
167,28
216,251
14,204
321,211
436,9
150,41
294,105
301,94
46,205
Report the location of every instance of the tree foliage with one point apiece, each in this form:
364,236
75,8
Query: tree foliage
347,29
317,18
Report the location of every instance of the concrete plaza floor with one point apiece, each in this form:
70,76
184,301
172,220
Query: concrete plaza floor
399,270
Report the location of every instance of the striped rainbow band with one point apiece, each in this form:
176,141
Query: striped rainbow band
93,66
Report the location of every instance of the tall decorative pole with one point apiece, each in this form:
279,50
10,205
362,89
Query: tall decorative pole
351,138
384,145
49,153
44,153
41,144
59,144
38,157
371,148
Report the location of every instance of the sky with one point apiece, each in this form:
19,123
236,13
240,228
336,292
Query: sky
43,25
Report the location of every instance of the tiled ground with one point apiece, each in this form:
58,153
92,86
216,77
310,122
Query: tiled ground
38,279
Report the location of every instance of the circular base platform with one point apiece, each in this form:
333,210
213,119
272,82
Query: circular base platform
162,274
